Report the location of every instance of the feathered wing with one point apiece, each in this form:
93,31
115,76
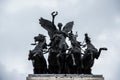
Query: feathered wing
49,26
68,27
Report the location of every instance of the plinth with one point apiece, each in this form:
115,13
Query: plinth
64,77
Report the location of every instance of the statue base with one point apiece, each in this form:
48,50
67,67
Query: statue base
64,77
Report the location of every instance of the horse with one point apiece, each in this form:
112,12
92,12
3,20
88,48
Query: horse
37,57
57,53
73,59
88,59
53,67
90,54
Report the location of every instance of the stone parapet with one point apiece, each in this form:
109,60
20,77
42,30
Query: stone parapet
64,77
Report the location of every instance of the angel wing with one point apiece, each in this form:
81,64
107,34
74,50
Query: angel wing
68,27
49,26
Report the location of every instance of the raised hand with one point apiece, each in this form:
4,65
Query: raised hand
54,14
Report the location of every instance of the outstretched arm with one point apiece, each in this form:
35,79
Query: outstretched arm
53,16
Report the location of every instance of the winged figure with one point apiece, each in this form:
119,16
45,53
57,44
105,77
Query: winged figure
58,44
51,27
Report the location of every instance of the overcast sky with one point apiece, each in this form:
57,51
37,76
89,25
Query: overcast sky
19,24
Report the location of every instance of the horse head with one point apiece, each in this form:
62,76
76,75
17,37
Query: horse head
40,38
57,38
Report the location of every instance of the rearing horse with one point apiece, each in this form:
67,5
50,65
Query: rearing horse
73,58
37,57
90,54
56,58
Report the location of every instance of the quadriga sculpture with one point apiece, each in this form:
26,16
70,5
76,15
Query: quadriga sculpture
62,59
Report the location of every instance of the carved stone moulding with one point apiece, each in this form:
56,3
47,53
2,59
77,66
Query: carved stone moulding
64,77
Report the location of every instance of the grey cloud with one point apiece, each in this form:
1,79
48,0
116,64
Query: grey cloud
18,28
7,75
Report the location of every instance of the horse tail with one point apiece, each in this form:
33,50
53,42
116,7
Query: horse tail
99,52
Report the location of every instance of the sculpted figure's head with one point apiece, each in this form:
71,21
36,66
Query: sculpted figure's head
60,26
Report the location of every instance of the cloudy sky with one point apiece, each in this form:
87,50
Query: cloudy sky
19,24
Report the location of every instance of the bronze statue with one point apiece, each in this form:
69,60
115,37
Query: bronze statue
62,59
